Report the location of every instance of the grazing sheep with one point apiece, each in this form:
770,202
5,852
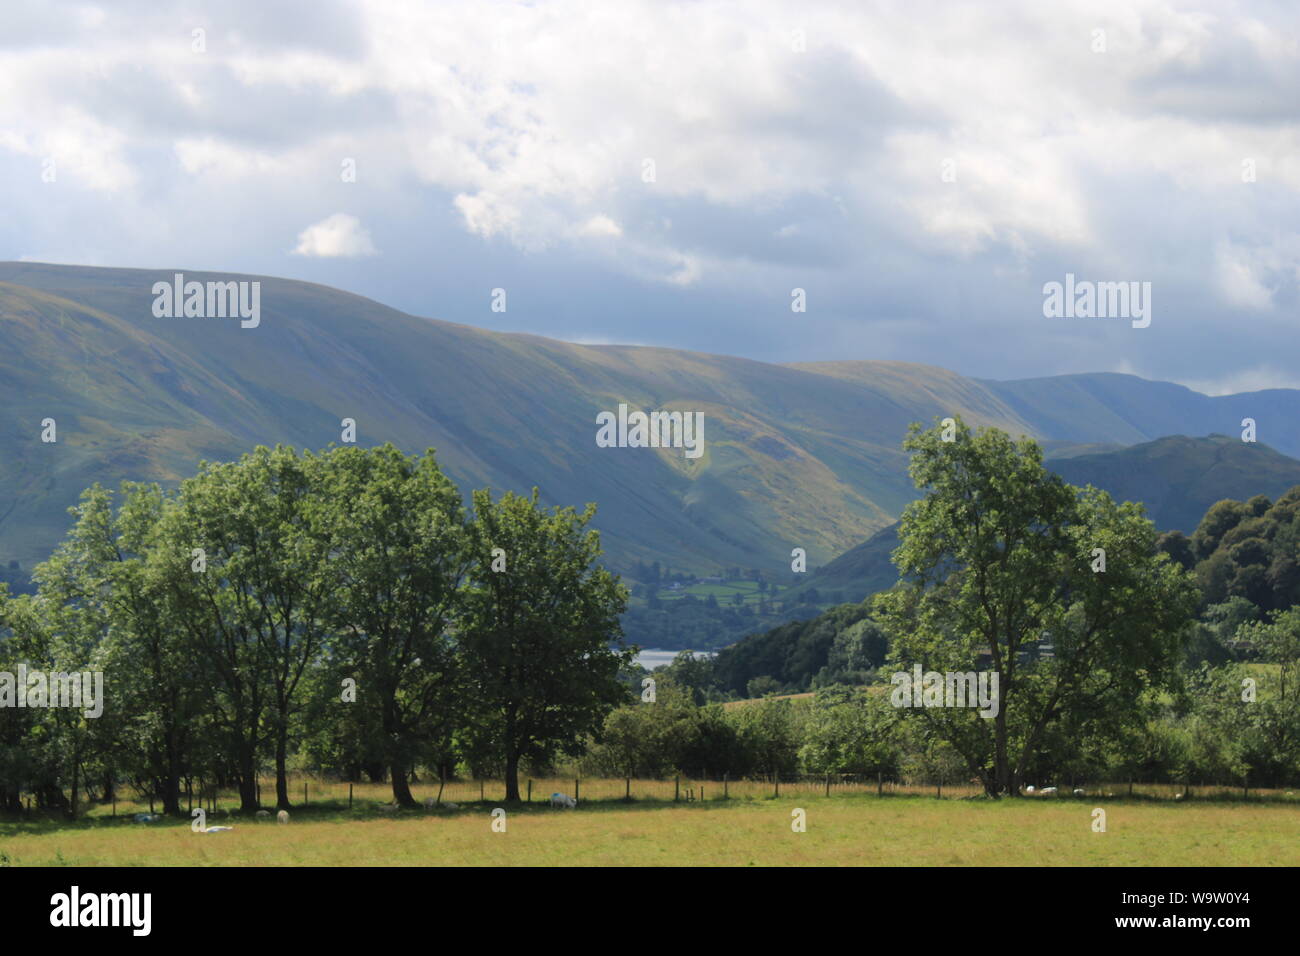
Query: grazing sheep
1048,790
1079,793
1029,789
282,816
215,829
452,806
263,815
563,800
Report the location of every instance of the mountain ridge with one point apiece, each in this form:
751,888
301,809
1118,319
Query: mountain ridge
796,455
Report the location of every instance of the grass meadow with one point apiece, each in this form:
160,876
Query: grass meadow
750,828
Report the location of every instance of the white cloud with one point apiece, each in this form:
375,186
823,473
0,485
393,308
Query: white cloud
1245,380
528,125
1239,279
339,236
600,227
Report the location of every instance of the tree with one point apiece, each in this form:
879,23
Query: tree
1001,556
850,731
257,605
540,632
769,735
393,527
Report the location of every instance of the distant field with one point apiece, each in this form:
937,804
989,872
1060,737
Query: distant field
724,592
844,829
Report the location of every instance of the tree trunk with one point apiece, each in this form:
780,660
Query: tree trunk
281,769
1002,766
401,788
512,775
76,775
172,792
247,779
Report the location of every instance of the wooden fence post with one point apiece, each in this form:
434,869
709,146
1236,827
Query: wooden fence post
349,796
627,790
776,781
726,786
530,790
828,785
575,789
480,791
677,788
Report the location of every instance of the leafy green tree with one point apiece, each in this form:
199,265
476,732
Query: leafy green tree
850,731
393,527
692,673
540,630
256,608
769,732
998,558
647,739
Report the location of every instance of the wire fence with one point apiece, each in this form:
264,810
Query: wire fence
684,789
308,790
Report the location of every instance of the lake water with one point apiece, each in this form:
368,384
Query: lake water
652,657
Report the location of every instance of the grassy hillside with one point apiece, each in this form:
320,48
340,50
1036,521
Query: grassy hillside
796,456
1177,478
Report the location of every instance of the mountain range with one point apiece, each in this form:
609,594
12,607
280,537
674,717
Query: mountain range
801,455
1176,478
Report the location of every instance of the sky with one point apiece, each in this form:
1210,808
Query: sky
670,174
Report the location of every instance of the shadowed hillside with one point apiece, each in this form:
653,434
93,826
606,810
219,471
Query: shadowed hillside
1176,478
795,456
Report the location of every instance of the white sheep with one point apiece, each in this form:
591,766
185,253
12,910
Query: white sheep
1079,792
263,815
1029,789
215,829
563,800
1048,790
282,816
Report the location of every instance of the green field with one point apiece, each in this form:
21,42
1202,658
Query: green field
850,829
725,592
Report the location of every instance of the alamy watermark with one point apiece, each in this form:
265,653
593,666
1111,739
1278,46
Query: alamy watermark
951,689
209,300
1098,300
651,430
33,688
